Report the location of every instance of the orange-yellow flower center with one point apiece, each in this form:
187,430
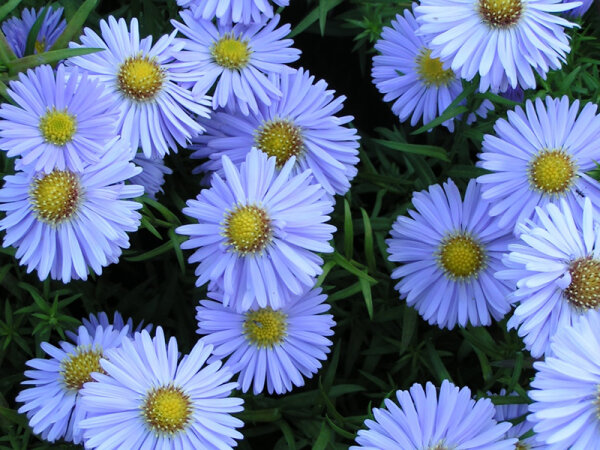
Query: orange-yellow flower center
461,256
248,229
40,46
77,368
140,78
431,70
584,289
552,172
58,127
56,196
167,410
231,52
500,13
279,138
265,327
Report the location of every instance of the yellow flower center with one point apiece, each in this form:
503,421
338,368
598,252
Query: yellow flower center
500,13
40,46
231,52
77,368
431,70
522,446
167,410
56,196
140,78
584,290
248,229
461,256
279,138
438,446
552,172
58,127
265,327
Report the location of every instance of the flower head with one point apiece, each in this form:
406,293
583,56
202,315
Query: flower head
580,10
276,347
515,412
244,11
301,123
257,232
424,419
146,398
155,112
153,174
449,250
118,323
63,223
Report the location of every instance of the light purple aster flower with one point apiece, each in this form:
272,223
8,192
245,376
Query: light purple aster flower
580,10
17,30
65,223
236,59
504,41
301,123
405,72
53,403
146,398
244,11
152,176
565,390
276,347
449,250
155,112
258,231
556,270
426,419
118,323
515,412
540,155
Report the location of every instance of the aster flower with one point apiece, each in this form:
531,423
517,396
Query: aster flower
449,250
556,270
244,11
237,58
63,223
580,10
276,346
152,176
540,155
565,388
257,232
146,398
155,112
53,404
512,412
117,323
60,121
422,419
406,73
17,30
301,123
504,41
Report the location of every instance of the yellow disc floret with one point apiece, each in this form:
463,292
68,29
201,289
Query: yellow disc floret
40,46
58,127
500,13
231,52
584,289
279,138
552,172
248,229
461,256
77,368
167,410
265,327
56,196
431,70
140,78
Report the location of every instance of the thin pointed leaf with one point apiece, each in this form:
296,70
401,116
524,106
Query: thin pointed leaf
35,30
73,28
50,57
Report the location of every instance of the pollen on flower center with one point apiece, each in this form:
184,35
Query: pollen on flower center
584,289
40,46
231,52
78,367
265,327
431,70
500,13
279,138
552,171
461,256
56,196
167,410
140,78
58,127
248,229
438,446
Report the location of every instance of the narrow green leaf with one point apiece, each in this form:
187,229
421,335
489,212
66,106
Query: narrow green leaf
423,150
7,8
6,53
260,415
168,215
339,430
13,416
311,18
288,434
176,241
347,265
348,231
50,57
4,91
409,326
73,28
365,287
164,248
438,368
369,250
33,33
326,268
322,438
